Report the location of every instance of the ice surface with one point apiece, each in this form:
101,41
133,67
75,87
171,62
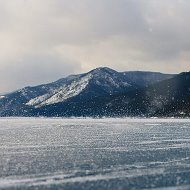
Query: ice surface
42,153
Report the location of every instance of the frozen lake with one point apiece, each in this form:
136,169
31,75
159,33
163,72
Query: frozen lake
91,154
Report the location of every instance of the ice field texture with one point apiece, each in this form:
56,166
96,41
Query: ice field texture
94,154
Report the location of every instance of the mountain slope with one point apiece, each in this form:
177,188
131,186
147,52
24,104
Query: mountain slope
98,83
166,99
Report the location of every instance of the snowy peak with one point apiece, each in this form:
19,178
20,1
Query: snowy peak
103,70
109,79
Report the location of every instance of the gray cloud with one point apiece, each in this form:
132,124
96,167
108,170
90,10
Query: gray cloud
44,40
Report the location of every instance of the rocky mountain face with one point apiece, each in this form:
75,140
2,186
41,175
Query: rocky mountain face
97,90
168,98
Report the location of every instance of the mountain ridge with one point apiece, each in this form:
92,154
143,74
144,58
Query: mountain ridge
97,83
169,98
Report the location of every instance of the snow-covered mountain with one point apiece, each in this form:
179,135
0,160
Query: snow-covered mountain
103,80
100,82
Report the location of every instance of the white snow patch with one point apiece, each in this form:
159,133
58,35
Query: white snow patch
62,94
40,99
67,92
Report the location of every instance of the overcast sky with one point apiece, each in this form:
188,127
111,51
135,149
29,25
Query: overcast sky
44,40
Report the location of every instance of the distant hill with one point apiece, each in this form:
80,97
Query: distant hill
100,92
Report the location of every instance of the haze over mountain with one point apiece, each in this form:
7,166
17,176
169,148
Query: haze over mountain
43,40
98,84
